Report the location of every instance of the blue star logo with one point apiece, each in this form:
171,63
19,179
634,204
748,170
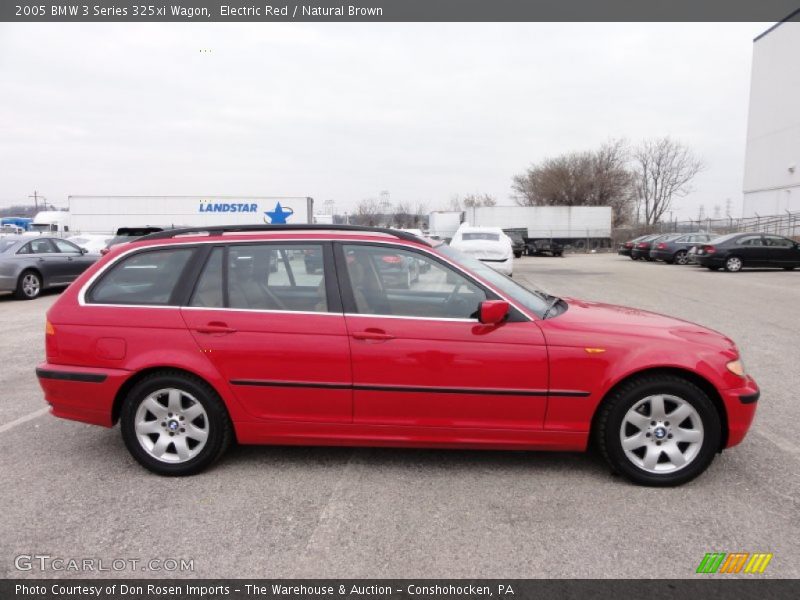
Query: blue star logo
278,215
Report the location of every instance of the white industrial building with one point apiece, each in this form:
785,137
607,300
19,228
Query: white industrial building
772,160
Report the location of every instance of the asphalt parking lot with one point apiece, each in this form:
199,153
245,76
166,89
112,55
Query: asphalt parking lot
72,491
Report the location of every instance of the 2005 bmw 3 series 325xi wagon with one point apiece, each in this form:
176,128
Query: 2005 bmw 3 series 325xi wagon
195,339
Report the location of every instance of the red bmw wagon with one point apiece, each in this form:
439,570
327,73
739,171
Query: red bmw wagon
194,339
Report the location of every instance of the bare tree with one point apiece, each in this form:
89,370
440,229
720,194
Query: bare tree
597,178
663,171
401,215
367,212
475,200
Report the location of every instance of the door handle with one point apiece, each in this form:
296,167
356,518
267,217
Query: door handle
215,327
373,335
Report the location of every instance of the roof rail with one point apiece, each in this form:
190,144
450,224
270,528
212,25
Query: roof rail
220,229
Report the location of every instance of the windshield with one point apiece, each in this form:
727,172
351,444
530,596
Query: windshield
537,301
492,237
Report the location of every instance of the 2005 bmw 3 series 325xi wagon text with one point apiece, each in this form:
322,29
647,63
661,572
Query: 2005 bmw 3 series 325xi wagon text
195,339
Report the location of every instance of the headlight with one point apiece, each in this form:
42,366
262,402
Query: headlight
736,367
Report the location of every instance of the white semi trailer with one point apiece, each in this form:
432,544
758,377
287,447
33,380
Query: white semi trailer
106,214
575,226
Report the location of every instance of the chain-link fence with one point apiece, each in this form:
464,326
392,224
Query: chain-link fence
787,224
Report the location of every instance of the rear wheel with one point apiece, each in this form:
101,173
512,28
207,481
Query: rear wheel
175,424
681,257
29,286
659,430
733,264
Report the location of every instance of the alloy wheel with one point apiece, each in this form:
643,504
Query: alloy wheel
661,434
681,258
171,425
733,264
31,285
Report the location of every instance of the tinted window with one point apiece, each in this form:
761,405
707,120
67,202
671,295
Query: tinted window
492,237
144,278
277,277
750,240
37,247
778,241
208,291
66,247
387,281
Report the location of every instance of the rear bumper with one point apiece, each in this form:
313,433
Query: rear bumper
636,253
624,251
740,404
506,267
79,393
709,261
664,255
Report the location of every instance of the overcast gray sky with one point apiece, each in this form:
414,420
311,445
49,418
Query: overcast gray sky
344,111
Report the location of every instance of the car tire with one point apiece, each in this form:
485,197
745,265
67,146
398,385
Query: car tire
175,424
29,285
681,258
733,264
653,455
789,268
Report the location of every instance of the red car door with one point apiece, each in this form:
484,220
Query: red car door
274,331
421,358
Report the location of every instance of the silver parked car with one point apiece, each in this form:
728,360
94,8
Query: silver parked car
29,265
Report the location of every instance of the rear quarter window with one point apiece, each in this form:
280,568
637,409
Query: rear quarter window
147,278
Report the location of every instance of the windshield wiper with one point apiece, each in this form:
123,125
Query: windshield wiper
550,306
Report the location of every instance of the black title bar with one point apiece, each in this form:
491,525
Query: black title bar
398,10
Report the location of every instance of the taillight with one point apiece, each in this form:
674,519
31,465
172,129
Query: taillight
642,244
661,246
628,245
50,345
709,249
392,260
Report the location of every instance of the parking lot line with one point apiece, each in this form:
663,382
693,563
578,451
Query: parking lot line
24,419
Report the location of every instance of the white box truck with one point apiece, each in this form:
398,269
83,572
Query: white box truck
443,224
106,214
579,227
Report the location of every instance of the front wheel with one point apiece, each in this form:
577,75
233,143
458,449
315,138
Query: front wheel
659,430
175,424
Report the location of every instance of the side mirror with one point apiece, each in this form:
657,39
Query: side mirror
493,312
84,251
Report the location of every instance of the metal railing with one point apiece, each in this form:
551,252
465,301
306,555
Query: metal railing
787,224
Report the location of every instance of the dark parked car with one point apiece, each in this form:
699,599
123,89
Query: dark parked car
736,251
517,241
676,249
130,234
626,247
542,247
313,259
641,249
30,265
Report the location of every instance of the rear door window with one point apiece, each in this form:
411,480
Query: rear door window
287,277
44,246
147,278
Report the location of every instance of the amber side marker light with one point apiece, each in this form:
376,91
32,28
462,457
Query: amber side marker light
49,329
736,367
595,350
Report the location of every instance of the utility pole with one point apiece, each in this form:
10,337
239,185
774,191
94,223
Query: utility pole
36,198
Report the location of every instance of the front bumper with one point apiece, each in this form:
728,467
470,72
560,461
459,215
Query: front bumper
80,393
740,405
